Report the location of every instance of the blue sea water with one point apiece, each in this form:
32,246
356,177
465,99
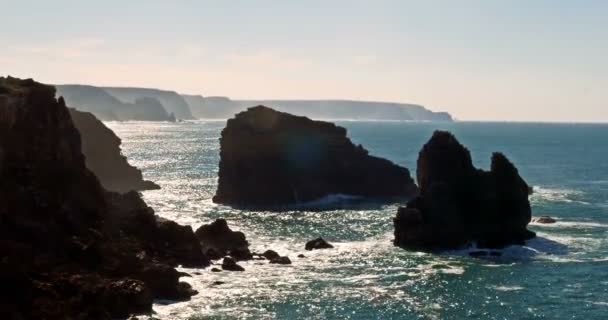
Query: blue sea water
562,274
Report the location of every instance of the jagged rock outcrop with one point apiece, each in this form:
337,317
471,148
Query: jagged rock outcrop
69,249
270,159
218,240
459,204
101,148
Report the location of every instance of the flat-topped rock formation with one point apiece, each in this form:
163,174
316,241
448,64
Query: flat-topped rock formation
269,159
69,249
101,148
459,204
224,107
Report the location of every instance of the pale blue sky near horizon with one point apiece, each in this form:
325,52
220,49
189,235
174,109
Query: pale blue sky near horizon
533,60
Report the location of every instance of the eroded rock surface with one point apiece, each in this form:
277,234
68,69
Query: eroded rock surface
272,159
70,249
459,204
101,148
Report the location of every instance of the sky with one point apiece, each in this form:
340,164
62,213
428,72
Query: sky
510,60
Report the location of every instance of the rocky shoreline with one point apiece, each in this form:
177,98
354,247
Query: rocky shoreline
77,243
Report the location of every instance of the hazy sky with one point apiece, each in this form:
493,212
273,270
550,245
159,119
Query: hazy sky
493,60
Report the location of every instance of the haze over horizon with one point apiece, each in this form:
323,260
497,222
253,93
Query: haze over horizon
478,60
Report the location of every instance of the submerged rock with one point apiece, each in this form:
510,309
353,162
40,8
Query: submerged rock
101,148
270,159
318,243
545,220
459,204
69,248
218,240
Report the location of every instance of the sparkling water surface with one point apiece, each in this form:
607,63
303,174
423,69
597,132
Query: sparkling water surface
562,274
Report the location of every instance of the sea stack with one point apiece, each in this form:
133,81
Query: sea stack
70,249
271,159
459,204
101,148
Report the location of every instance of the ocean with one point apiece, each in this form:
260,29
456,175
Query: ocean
561,274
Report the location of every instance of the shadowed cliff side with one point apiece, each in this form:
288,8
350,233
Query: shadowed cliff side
269,158
101,148
69,249
459,204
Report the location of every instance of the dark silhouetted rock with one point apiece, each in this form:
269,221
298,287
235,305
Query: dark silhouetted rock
270,254
459,204
70,249
101,148
318,243
544,220
229,264
218,240
301,256
271,159
280,260
216,270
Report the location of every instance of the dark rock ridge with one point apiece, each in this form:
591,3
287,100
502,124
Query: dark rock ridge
101,148
173,102
270,159
223,108
459,204
107,107
218,240
69,249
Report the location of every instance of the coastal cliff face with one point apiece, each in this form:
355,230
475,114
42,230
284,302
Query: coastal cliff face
269,158
459,204
101,148
172,101
223,107
108,108
69,248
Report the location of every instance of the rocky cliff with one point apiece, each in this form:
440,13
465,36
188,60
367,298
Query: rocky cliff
107,108
269,158
101,148
459,204
70,249
222,108
173,102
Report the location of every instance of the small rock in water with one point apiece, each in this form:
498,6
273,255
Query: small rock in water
280,260
229,264
318,243
217,283
270,254
545,220
215,270
301,256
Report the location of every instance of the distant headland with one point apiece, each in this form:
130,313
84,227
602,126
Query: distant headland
143,104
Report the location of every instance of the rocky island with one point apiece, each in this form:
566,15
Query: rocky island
460,204
70,249
271,159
